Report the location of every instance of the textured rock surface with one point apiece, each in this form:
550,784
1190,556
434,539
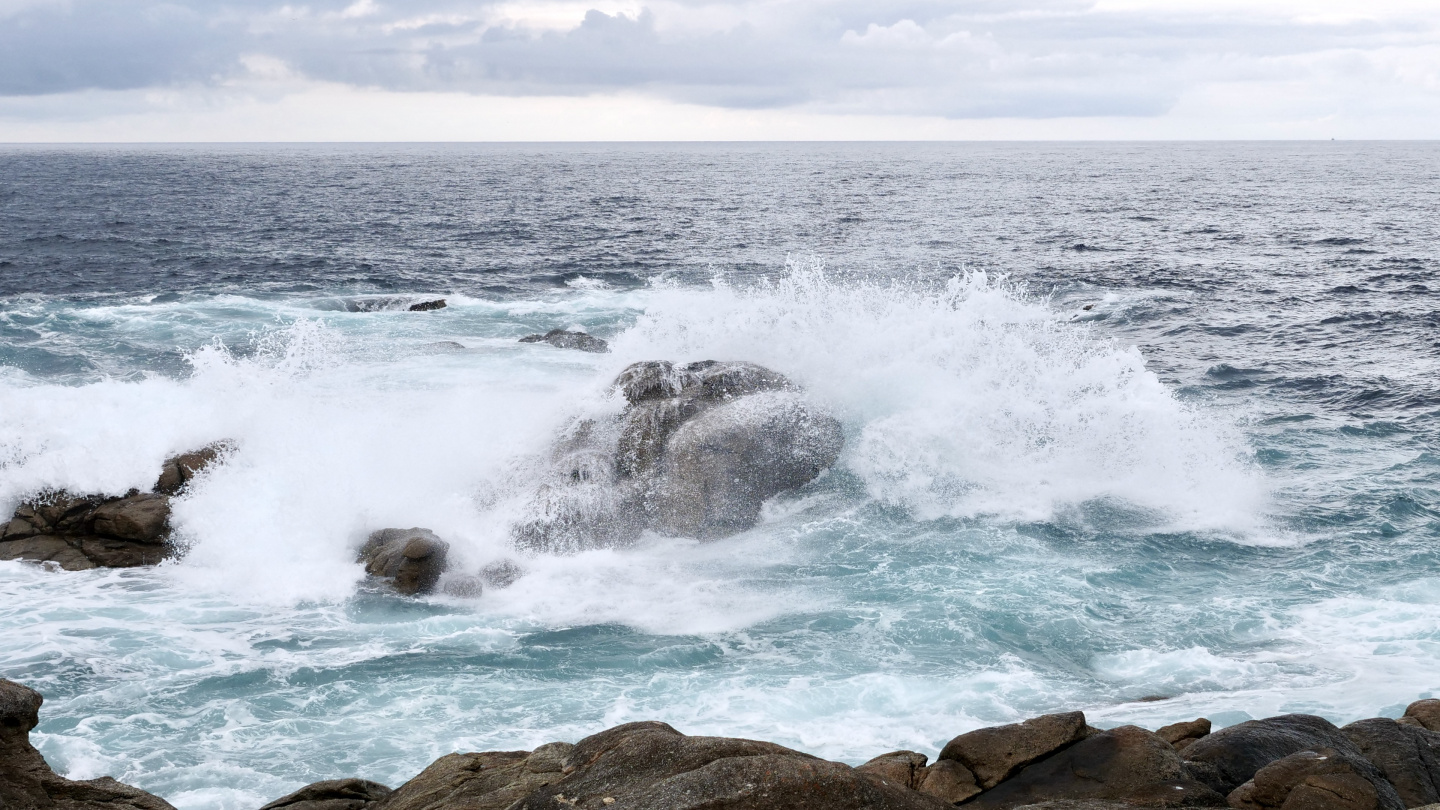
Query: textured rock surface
994,753
1307,780
411,559
901,767
333,794
949,781
26,781
561,339
428,306
1182,735
1425,712
1126,763
178,471
1228,758
696,452
1408,757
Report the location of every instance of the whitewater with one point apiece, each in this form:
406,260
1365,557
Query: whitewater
1171,443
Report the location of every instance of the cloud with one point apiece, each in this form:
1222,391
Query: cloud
963,59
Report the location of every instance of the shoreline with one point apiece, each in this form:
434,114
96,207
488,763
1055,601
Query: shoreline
1055,761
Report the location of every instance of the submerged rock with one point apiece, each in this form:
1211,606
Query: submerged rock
411,559
561,339
26,781
696,452
427,306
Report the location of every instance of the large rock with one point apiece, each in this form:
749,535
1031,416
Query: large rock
994,753
1425,713
1231,756
1408,757
178,471
1126,764
493,780
651,766
561,339
332,794
26,781
1307,780
696,452
412,560
78,532
901,767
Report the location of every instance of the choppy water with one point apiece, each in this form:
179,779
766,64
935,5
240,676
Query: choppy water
1122,420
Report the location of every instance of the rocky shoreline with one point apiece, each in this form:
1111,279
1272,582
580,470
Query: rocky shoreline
1053,762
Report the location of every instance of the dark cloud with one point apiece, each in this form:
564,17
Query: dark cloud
1023,58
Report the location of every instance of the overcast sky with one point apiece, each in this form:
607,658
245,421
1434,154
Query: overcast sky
251,70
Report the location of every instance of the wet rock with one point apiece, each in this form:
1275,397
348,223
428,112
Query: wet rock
562,339
79,532
1425,712
65,552
1407,756
427,306
1126,764
651,766
333,794
443,346
1228,758
501,573
901,767
141,518
696,452
948,781
411,559
26,781
1182,735
1307,780
994,753
179,470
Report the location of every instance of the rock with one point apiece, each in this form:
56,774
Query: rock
427,306
1182,735
65,552
1425,712
501,573
26,781
561,339
141,518
994,753
489,781
1307,780
441,346
177,471
1228,758
412,559
901,767
1126,764
1408,757
462,586
333,794
696,452
651,766
948,781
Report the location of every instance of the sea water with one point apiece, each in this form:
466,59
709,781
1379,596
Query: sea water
1122,421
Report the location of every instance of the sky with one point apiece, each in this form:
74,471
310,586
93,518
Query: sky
561,70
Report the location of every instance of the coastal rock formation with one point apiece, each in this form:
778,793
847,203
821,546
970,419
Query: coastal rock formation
427,306
412,560
1423,713
26,781
994,754
1181,735
1307,779
696,452
333,794
1408,757
78,532
561,339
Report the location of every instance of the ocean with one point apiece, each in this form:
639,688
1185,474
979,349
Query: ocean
1122,421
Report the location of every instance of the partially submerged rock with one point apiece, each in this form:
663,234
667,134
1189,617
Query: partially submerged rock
26,781
696,452
78,532
562,339
412,560
427,306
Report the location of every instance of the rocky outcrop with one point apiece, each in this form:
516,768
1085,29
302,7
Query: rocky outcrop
26,781
696,452
993,754
1423,713
411,560
333,794
562,339
78,532
1307,780
1229,758
1408,757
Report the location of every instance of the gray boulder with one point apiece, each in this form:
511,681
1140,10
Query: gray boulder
411,560
561,339
26,781
696,452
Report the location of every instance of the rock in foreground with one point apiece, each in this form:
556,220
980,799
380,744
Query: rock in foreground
26,781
